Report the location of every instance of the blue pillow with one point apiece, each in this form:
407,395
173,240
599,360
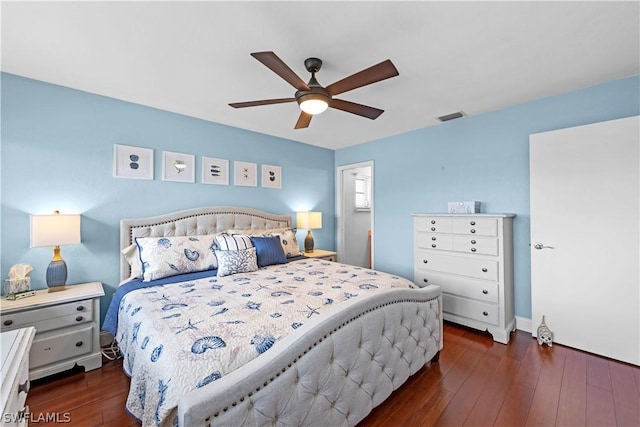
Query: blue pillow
269,250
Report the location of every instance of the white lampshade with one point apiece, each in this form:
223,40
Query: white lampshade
54,230
309,220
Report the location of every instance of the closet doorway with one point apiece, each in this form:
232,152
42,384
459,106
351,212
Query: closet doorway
354,207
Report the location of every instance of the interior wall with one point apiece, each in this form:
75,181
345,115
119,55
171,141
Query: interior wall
57,153
483,158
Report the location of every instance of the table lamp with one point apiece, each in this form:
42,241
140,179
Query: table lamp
309,220
55,230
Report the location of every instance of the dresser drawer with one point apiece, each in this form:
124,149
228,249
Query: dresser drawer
476,267
433,224
475,310
476,245
475,226
434,241
50,318
477,289
57,347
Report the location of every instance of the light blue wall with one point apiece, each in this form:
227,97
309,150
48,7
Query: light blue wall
57,153
483,158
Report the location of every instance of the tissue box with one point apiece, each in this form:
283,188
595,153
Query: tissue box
12,287
464,207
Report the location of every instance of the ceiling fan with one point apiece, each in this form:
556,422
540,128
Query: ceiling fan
312,97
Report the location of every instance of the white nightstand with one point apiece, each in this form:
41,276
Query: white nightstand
67,327
15,375
319,253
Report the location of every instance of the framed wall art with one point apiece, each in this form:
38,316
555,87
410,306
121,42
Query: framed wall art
132,162
245,174
271,176
178,167
215,171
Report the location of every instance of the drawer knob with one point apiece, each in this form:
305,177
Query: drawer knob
433,221
425,280
79,344
24,387
433,238
433,245
473,249
473,242
80,308
472,223
485,313
79,319
484,270
484,291
433,229
425,261
8,322
472,231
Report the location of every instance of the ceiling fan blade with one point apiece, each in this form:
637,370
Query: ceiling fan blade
276,65
359,109
262,102
303,120
381,71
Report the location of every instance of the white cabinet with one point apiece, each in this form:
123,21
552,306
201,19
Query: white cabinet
14,350
67,325
471,258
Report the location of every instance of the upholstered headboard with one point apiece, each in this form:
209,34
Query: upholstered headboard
196,222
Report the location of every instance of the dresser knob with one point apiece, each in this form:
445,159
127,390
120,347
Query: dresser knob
425,280
79,319
472,223
433,221
484,291
473,242
433,238
8,322
473,249
425,261
484,270
433,245
79,344
485,313
472,231
433,229
24,387
80,308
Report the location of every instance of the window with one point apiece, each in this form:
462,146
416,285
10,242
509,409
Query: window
362,193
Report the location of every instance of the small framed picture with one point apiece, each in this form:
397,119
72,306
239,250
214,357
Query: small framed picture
178,167
245,174
271,176
132,162
215,171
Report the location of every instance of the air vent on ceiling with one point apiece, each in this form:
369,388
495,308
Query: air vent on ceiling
451,116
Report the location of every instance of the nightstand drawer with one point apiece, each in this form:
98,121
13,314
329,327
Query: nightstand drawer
49,318
61,346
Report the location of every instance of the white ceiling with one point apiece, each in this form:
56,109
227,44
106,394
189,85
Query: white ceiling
193,57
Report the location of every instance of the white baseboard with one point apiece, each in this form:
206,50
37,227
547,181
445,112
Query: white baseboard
105,338
523,324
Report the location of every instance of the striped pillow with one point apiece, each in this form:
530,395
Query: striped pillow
236,242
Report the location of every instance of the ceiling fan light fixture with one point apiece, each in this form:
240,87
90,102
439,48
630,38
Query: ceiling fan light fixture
313,103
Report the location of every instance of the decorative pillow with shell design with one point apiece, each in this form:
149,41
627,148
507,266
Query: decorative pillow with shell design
168,256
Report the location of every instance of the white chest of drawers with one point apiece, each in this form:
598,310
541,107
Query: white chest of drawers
471,258
14,350
67,325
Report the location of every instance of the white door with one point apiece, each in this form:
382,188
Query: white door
585,221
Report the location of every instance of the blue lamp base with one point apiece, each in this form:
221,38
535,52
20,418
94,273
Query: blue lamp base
57,275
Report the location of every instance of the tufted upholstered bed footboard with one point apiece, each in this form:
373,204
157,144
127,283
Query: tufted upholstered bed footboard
332,372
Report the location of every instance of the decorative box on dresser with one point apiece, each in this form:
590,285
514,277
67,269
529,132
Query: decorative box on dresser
470,256
67,325
14,349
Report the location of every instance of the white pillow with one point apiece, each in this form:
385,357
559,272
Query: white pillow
168,256
132,257
240,261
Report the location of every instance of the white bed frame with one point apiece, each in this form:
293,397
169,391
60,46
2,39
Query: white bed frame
332,371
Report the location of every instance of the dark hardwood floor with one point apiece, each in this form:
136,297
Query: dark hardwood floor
476,382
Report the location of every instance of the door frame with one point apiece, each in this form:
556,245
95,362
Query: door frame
340,215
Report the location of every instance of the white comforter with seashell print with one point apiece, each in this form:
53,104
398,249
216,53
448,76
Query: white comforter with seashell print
179,337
